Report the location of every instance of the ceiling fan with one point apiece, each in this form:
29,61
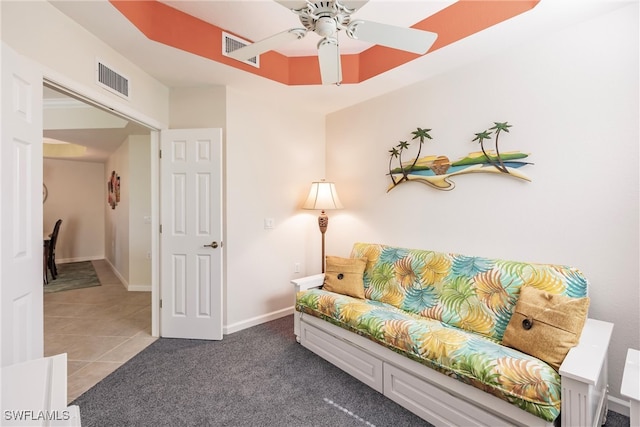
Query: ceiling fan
326,18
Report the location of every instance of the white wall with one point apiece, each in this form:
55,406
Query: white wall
572,99
37,30
117,219
198,107
272,156
76,195
139,212
127,234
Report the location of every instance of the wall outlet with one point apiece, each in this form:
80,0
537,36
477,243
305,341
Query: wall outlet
296,267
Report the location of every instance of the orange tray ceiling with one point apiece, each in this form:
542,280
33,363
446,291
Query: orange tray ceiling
172,27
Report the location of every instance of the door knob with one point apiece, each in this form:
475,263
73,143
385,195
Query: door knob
212,245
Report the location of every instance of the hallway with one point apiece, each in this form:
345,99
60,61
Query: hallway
100,328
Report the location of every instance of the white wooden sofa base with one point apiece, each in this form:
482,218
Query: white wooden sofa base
444,401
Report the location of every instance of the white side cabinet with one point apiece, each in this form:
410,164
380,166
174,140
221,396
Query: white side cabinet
303,284
631,384
34,393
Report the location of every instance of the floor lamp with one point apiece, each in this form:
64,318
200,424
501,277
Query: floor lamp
322,196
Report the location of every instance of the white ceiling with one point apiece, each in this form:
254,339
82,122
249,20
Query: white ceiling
257,19
72,121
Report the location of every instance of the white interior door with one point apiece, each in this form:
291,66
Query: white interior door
21,251
190,241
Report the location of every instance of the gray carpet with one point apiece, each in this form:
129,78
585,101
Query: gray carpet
256,377
73,275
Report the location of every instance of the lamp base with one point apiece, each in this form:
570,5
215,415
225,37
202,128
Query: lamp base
323,222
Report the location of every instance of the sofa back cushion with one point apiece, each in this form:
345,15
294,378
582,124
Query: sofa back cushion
472,293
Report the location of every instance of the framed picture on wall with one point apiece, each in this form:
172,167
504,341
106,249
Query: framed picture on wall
113,190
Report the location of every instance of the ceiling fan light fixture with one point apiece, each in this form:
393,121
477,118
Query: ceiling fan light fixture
326,26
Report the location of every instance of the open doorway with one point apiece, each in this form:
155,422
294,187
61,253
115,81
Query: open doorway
98,326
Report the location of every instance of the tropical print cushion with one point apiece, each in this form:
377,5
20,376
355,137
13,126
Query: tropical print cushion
471,293
471,358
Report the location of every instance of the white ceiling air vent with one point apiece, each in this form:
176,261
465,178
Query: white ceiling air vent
111,80
231,43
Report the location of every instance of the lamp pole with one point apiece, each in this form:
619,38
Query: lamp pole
323,223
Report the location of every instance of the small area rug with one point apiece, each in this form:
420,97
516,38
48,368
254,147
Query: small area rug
73,275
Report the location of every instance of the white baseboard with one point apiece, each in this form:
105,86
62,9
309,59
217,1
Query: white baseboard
238,326
620,406
139,288
117,273
78,259
130,287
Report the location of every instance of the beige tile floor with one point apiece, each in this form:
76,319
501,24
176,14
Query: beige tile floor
99,328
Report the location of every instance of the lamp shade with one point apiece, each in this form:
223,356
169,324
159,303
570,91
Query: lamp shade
323,196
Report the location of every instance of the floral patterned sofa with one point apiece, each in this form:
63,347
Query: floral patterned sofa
428,334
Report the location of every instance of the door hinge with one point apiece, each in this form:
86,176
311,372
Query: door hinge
160,228
160,153
161,303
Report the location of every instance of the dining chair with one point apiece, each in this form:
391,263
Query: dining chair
51,255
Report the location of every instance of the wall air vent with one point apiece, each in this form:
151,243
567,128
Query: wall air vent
231,43
111,80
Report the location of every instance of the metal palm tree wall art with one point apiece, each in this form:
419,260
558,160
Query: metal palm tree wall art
436,171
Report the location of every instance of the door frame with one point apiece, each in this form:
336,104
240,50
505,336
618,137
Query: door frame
101,99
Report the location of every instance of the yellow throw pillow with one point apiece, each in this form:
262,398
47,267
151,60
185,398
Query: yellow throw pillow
546,325
345,276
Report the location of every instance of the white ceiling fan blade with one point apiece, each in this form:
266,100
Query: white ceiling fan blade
292,4
329,59
265,45
407,39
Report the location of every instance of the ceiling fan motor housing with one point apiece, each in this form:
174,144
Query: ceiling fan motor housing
325,17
